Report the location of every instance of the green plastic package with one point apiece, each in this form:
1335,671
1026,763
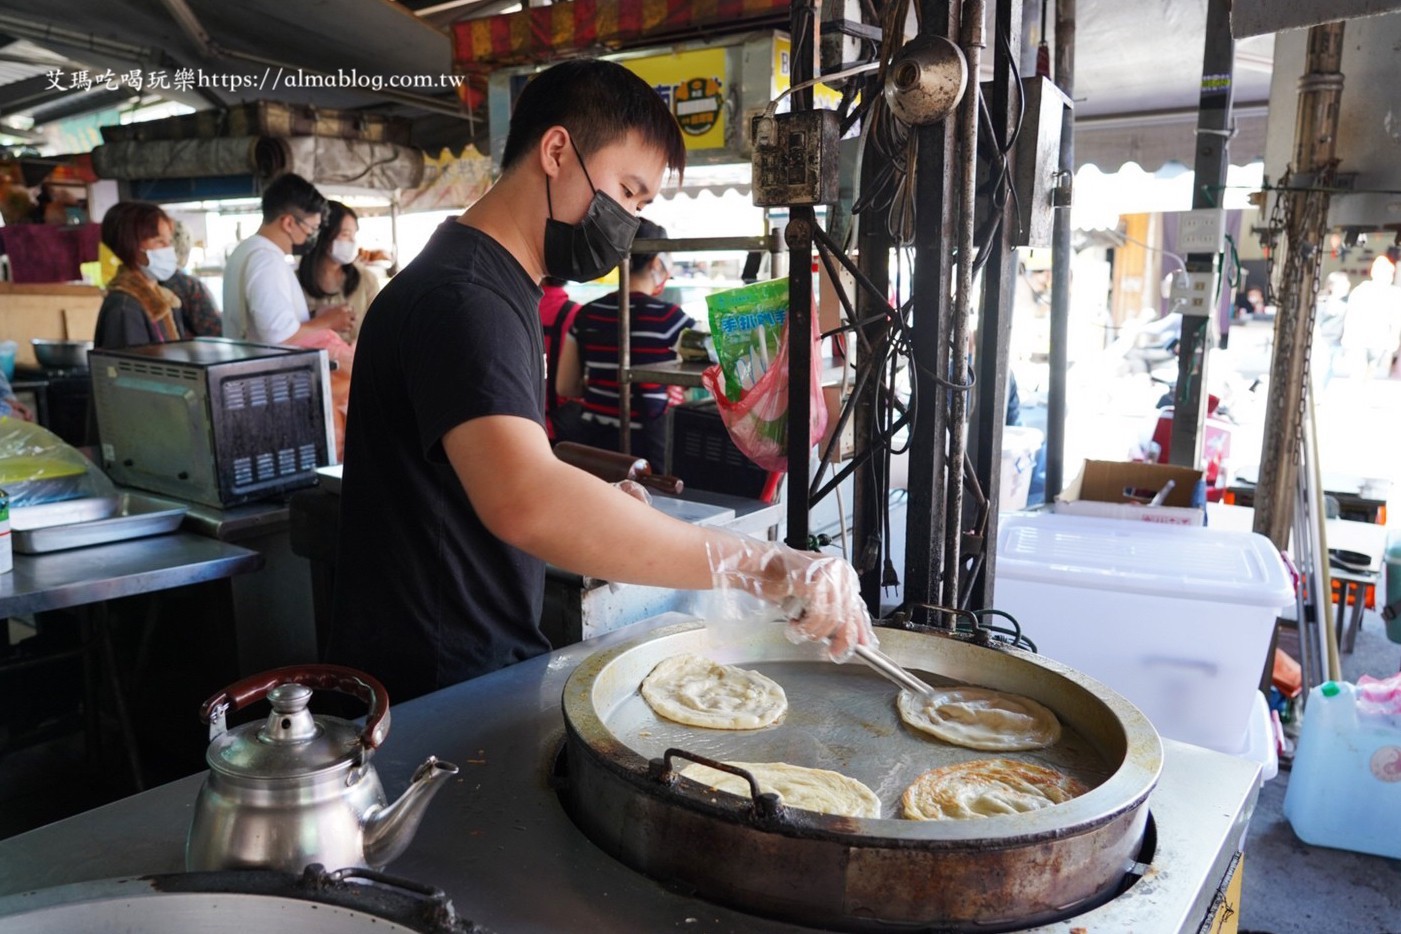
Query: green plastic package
747,325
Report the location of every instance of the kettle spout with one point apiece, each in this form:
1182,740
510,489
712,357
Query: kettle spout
388,830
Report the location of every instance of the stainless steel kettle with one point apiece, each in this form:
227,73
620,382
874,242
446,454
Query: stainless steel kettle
297,789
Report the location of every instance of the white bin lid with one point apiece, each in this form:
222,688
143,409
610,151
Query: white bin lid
1183,562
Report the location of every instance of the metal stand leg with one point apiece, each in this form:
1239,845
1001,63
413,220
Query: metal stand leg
109,661
1308,606
92,725
1359,606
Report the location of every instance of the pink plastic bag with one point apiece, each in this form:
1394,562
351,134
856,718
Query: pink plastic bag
758,420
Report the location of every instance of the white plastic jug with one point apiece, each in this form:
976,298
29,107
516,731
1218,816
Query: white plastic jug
1345,787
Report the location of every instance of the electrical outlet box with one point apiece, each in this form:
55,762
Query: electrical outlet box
795,158
1036,161
1193,293
1201,231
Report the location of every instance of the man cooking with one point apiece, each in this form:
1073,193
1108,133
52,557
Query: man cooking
452,501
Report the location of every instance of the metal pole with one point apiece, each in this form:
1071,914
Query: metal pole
800,363
995,322
805,17
625,354
870,481
394,267
1213,135
958,371
926,516
1060,259
1306,224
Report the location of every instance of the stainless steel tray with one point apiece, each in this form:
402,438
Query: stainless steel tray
136,516
692,512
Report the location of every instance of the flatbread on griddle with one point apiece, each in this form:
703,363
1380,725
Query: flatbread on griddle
979,718
820,790
696,691
987,788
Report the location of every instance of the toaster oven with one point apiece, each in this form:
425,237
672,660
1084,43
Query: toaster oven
213,421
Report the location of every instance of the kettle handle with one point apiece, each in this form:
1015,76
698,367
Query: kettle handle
317,677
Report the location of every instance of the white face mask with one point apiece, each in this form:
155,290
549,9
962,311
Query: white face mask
160,264
344,251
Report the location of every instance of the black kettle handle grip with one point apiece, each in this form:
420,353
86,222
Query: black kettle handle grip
317,677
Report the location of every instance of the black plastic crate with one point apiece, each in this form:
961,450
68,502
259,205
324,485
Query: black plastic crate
700,452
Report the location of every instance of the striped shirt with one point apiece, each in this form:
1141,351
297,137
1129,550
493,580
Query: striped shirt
656,327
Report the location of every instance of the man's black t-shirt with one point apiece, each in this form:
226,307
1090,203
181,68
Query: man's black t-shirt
425,595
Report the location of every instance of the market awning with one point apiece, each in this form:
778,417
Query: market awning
250,50
1137,82
1136,87
1152,140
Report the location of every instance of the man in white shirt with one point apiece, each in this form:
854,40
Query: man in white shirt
263,302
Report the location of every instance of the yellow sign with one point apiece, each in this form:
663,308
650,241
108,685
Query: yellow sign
694,84
1224,913
823,97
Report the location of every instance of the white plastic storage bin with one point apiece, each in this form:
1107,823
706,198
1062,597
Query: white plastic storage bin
1345,784
1175,618
1260,743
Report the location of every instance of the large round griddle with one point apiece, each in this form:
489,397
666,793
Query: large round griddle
621,787
236,901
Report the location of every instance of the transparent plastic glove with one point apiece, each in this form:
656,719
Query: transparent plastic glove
636,490
821,594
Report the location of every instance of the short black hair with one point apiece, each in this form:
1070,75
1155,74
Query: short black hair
128,224
598,102
289,193
331,219
646,230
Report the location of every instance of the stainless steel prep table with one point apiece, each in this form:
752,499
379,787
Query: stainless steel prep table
499,843
99,573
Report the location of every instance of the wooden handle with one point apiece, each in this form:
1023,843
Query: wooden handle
672,486
318,677
606,465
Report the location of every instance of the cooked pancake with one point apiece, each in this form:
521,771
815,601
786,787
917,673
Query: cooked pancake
693,690
979,718
819,790
987,788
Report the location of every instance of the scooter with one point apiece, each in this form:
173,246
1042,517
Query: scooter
1218,429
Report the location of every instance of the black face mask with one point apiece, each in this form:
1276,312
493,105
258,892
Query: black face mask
307,244
596,244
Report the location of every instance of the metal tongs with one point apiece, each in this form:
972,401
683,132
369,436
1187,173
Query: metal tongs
883,664
891,669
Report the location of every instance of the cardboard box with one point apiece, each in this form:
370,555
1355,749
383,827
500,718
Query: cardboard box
1115,490
58,311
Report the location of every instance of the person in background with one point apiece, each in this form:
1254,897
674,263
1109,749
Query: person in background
137,308
263,302
199,315
1249,303
588,364
557,312
9,404
331,273
452,500
1373,321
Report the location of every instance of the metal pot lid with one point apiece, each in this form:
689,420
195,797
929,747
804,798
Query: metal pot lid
290,743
